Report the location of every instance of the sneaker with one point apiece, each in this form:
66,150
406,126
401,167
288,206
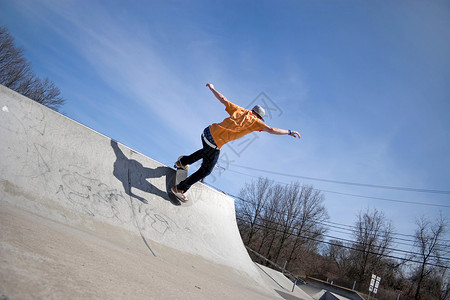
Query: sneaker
178,165
179,194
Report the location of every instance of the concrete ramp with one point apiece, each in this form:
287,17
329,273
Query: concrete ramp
286,287
55,169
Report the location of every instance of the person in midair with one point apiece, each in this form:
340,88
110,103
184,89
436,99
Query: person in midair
240,123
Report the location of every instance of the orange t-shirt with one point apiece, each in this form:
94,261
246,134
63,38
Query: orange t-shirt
240,122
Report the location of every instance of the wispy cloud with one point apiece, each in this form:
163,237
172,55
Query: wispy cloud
132,62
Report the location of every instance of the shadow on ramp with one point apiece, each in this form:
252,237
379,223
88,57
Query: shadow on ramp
133,175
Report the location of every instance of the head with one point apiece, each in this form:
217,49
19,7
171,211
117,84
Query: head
259,111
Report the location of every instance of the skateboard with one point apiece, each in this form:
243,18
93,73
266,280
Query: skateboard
180,175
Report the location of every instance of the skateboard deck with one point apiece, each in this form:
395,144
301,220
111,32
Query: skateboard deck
180,175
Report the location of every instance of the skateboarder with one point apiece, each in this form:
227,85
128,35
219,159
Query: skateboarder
240,122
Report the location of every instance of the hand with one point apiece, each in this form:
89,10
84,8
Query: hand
210,85
295,134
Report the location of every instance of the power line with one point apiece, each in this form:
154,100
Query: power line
351,228
347,247
354,227
387,199
397,240
408,189
355,195
350,248
352,231
291,229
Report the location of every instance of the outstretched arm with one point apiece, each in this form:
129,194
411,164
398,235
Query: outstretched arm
217,94
278,131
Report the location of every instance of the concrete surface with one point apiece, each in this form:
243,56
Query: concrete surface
317,288
83,216
285,286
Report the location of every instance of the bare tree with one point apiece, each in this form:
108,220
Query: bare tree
373,236
288,216
279,221
445,289
270,220
430,247
16,74
308,223
340,255
254,198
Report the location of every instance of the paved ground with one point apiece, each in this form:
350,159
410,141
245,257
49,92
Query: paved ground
44,259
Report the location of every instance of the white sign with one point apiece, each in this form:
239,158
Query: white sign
374,283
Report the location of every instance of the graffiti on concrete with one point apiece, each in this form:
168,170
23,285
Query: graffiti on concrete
158,221
93,196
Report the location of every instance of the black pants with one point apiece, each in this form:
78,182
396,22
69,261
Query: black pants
209,156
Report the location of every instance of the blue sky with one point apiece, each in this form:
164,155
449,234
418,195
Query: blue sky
366,83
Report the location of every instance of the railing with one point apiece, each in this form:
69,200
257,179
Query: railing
278,266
